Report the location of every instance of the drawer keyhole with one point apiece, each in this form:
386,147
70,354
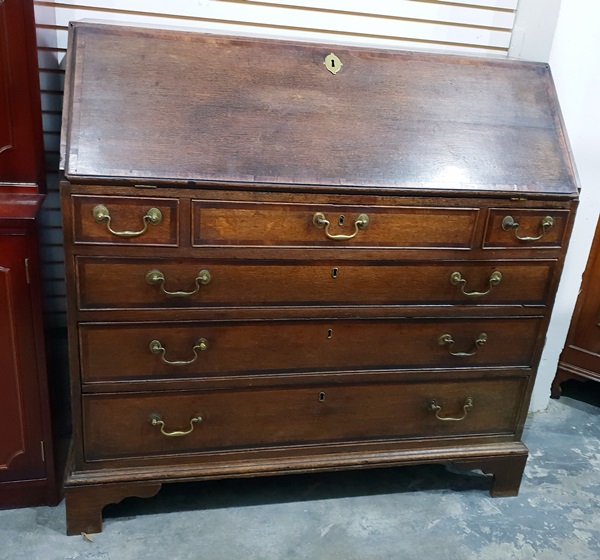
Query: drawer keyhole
329,333
321,396
334,272
341,220
332,63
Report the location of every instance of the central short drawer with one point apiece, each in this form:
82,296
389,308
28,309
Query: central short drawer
138,351
240,223
142,425
110,283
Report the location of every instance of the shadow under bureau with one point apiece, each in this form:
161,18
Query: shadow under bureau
288,257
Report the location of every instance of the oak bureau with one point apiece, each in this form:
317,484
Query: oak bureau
285,257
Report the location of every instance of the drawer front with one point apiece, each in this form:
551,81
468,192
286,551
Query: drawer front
270,224
151,283
125,220
121,425
122,352
526,228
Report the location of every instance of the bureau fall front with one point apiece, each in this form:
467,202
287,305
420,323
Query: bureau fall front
285,257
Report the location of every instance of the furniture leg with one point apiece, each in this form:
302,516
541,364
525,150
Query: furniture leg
507,473
559,379
84,503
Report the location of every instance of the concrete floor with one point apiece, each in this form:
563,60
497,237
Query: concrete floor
405,513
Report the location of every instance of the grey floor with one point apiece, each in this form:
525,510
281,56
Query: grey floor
406,513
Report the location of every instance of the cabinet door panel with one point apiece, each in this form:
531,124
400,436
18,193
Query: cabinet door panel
21,143
6,140
20,415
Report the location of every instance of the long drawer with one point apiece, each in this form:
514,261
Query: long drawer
137,351
107,283
146,424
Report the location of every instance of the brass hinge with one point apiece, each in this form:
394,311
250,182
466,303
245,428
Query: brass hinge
43,449
27,278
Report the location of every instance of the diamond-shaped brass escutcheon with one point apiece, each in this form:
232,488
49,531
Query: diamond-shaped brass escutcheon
332,63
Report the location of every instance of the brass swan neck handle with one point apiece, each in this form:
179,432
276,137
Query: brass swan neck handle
156,420
467,407
320,221
545,224
447,340
456,279
102,214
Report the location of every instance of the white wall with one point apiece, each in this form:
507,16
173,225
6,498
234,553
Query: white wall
575,64
533,30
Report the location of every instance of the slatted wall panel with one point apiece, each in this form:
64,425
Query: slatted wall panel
461,26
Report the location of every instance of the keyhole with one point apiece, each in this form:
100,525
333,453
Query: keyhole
334,272
321,396
332,63
329,333
341,221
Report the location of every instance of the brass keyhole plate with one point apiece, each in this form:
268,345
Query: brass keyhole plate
332,63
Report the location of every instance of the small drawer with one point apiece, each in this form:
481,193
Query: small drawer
144,425
112,283
125,220
526,228
167,351
325,225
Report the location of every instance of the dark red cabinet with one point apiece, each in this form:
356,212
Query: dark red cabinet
26,454
21,140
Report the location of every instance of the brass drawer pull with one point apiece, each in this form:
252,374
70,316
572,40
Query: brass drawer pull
467,407
456,279
101,214
509,223
447,340
156,420
154,277
320,221
157,348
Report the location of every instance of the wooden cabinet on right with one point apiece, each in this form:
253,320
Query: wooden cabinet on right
580,358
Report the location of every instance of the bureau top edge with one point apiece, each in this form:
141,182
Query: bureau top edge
183,108
498,192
